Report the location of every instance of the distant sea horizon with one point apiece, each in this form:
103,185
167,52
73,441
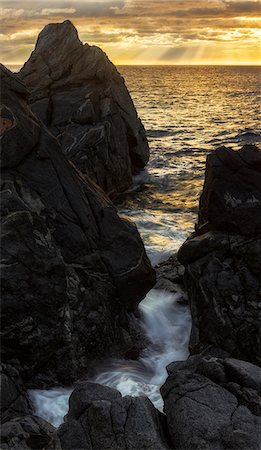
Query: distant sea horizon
14,67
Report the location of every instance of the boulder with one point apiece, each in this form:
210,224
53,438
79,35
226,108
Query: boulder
14,398
19,428
71,268
223,257
100,418
81,97
213,403
169,275
28,433
231,198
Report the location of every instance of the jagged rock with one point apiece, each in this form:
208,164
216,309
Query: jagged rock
169,274
19,428
14,398
100,418
79,94
213,403
223,257
70,266
28,433
231,198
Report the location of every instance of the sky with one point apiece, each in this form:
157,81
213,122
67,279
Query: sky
141,31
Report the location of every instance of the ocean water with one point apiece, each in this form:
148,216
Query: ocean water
167,323
187,112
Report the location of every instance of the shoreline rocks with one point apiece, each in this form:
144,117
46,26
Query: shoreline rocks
99,418
83,100
222,258
20,429
73,272
213,403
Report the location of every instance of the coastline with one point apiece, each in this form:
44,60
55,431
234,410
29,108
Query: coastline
82,269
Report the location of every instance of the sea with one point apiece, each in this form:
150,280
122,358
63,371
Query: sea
187,111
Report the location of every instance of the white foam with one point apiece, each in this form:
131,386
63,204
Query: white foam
167,324
51,404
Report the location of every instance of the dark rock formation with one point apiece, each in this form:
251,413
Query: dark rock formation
100,418
70,266
28,433
223,257
14,399
79,94
19,428
214,404
169,274
231,199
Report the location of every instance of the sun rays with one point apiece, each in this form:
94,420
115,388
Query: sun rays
142,31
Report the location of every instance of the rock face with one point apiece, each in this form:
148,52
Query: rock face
19,428
28,433
14,399
231,199
70,266
100,418
79,94
213,403
223,257
169,275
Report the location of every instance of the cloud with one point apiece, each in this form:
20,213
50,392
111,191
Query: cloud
6,13
135,29
51,11
87,8
243,7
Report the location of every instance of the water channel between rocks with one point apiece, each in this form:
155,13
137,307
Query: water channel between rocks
187,112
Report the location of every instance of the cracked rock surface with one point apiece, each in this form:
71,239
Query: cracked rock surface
213,404
81,97
100,418
19,428
14,399
223,257
71,268
170,275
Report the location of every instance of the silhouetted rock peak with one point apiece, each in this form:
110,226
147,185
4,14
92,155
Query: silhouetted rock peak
57,36
79,94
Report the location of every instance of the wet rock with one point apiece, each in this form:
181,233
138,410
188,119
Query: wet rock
169,274
19,428
213,403
223,257
14,398
71,268
28,433
79,94
99,418
231,198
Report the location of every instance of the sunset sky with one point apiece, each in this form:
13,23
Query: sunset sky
141,31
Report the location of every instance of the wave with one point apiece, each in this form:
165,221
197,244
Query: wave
248,136
167,323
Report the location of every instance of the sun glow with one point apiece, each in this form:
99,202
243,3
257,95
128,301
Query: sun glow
142,32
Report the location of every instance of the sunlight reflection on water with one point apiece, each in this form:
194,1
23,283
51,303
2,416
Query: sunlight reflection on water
187,112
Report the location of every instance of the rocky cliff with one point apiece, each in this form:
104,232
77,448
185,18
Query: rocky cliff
223,257
71,268
83,100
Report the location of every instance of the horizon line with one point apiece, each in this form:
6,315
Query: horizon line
167,65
